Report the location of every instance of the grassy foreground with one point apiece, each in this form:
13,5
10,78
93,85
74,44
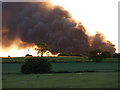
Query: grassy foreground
68,80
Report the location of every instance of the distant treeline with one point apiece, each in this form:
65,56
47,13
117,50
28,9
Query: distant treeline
70,54
116,55
105,55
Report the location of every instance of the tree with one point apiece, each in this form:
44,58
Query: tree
96,55
42,48
106,54
116,55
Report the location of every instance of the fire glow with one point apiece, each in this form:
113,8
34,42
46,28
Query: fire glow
15,52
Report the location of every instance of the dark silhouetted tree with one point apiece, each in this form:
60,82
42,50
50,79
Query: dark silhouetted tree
96,55
116,55
106,54
42,48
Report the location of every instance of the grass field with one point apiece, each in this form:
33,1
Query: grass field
68,80
58,59
12,77
71,67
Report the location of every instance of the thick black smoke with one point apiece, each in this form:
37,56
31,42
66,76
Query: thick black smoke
98,42
43,22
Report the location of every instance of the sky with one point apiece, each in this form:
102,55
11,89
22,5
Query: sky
95,15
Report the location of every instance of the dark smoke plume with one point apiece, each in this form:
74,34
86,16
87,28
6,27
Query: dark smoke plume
98,42
33,23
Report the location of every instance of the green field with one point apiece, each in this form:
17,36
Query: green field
71,67
69,80
105,77
58,59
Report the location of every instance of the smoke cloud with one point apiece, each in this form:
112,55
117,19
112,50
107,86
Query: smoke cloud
26,24
98,42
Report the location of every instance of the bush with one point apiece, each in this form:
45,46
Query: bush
36,65
27,55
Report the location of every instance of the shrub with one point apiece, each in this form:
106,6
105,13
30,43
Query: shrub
36,65
27,55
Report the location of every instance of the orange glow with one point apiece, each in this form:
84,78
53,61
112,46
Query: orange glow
91,18
15,52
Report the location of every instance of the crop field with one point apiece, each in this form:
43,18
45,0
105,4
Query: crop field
65,64
58,59
53,59
70,67
105,75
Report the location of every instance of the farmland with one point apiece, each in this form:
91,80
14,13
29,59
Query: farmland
61,67
70,64
58,59
105,73
53,59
